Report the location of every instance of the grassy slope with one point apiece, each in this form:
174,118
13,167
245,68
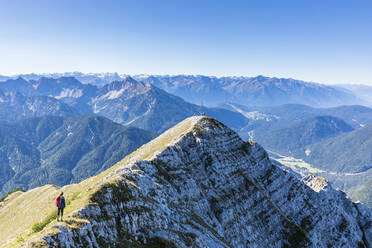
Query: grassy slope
22,208
38,204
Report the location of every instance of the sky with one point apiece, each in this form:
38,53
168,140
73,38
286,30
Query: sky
321,41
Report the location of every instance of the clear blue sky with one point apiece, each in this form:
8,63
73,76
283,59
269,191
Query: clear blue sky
322,41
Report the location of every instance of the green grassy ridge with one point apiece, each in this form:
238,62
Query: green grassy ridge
17,215
9,193
39,226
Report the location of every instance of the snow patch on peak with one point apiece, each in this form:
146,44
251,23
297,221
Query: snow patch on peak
113,94
73,93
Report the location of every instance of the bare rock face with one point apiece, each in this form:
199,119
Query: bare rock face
208,188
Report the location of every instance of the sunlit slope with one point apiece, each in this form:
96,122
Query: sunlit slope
23,210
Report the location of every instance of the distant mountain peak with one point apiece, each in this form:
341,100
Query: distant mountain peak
124,87
128,79
20,79
260,78
69,78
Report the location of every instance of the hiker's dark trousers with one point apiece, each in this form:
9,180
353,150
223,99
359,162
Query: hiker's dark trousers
60,210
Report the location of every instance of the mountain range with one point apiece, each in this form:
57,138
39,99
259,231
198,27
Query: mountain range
292,139
127,102
15,106
362,91
282,115
196,185
86,78
61,150
252,91
59,105
295,130
209,90
349,152
329,142
335,139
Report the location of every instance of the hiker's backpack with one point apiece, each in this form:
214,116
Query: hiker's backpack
58,201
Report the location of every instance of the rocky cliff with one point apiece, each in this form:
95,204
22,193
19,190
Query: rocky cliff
197,185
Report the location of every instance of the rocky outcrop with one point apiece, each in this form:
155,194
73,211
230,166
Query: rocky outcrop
200,185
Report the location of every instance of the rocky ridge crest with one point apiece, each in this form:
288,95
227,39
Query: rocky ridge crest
200,185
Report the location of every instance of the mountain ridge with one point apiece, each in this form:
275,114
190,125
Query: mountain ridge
259,91
198,184
127,102
209,90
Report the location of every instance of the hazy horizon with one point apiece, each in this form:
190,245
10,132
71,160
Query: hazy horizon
148,74
314,41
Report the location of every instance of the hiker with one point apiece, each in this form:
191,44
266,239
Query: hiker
61,204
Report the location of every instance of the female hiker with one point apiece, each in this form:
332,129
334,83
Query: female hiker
61,204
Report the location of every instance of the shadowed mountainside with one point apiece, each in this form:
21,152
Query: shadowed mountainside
60,150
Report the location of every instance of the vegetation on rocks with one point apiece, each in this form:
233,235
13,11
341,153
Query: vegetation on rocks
10,192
